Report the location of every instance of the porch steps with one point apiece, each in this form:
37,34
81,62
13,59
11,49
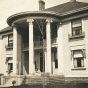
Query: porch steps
35,80
40,80
55,79
9,82
43,79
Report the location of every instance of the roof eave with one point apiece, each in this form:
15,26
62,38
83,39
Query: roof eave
74,11
5,30
30,13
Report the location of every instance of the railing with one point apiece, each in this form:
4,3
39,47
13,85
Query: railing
26,45
54,41
39,44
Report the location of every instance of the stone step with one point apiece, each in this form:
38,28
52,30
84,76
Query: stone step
9,82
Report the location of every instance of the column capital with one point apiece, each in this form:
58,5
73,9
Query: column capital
14,25
60,23
30,21
49,21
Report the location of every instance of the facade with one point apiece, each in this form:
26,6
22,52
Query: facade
53,40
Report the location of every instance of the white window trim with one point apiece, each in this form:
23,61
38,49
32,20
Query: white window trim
76,20
70,31
83,25
81,47
70,26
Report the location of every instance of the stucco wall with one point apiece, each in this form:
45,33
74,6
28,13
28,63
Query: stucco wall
5,53
67,68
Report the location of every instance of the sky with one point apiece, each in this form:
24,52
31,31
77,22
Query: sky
10,7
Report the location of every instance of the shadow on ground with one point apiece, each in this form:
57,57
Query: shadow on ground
82,85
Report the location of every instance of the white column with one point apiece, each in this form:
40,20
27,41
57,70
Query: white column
31,50
48,43
15,50
19,45
60,49
0,52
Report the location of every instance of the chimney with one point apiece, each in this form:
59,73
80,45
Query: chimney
41,5
73,0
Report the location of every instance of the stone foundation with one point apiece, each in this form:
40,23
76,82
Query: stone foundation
44,79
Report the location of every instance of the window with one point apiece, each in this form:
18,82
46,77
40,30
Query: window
78,57
35,64
10,66
10,40
76,27
55,59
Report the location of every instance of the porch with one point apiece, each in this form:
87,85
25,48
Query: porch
40,44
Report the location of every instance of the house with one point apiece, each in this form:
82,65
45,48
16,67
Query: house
52,40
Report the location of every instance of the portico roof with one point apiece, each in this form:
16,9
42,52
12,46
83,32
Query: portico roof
56,11
32,13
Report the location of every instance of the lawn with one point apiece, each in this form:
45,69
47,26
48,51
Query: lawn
82,85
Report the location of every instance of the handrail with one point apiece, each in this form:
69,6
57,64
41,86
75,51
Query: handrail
40,43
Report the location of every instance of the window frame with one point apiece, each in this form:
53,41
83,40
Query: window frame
76,28
10,40
10,66
84,58
55,60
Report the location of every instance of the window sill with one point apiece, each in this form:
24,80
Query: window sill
79,68
77,36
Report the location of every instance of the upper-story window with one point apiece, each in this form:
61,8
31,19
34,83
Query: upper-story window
76,27
10,40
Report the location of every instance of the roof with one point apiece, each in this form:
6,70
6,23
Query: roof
6,29
59,10
66,7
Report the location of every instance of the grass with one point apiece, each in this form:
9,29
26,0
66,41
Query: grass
70,85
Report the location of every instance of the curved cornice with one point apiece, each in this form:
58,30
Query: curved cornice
31,13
